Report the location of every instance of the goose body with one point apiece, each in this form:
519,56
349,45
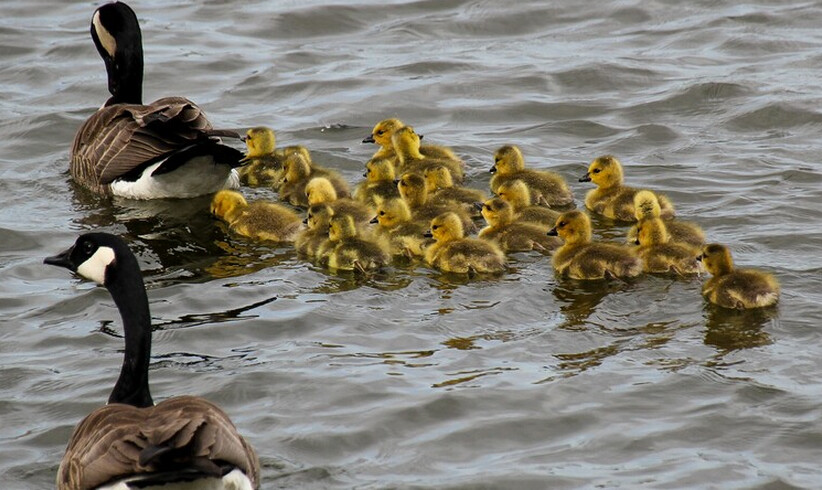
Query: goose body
646,207
405,237
346,250
730,287
384,130
452,252
546,187
263,162
165,149
516,193
184,442
662,255
510,235
258,220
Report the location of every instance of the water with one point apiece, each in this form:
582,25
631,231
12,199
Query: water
412,379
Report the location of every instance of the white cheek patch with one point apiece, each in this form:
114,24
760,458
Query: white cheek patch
94,268
106,39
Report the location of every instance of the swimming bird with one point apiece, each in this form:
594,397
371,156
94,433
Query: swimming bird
730,287
320,190
346,250
298,170
384,130
510,235
546,187
580,258
259,220
263,162
378,184
662,255
407,146
516,193
131,442
441,189
164,149
310,239
452,252
414,193
646,206
611,198
405,237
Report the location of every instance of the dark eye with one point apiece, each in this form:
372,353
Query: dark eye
310,216
597,170
380,132
434,227
382,213
497,160
88,248
562,223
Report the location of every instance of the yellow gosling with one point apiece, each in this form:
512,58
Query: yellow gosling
404,236
512,236
384,130
646,206
407,146
441,189
378,184
258,220
319,190
298,171
263,161
611,198
412,190
452,252
736,288
546,188
659,254
345,250
516,193
317,220
580,258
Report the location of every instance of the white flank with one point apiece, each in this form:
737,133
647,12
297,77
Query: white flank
106,39
94,268
196,177
235,480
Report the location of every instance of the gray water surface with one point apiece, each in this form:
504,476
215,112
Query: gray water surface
413,379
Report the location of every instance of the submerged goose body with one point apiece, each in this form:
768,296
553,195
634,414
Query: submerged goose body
164,149
181,442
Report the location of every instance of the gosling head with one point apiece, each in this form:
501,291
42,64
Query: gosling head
438,178
406,143
572,227
318,216
646,205
497,212
604,171
296,167
508,160
380,169
320,190
412,188
227,203
382,132
392,212
446,227
341,226
515,193
652,231
259,141
717,259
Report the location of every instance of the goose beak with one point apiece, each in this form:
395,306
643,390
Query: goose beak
553,232
365,174
586,177
396,181
636,242
374,220
63,259
305,221
478,205
428,234
369,139
421,136
700,257
243,138
493,169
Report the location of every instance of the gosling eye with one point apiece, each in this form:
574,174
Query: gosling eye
434,227
380,132
497,160
562,223
382,213
597,170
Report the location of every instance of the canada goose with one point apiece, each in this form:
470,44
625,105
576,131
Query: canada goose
165,149
516,193
660,254
405,237
131,442
413,192
378,184
320,190
407,145
258,220
646,206
441,189
580,258
452,252
263,160
512,236
309,240
735,288
298,170
612,199
345,250
384,130
547,188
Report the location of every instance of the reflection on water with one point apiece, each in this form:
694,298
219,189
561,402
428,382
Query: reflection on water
578,299
729,330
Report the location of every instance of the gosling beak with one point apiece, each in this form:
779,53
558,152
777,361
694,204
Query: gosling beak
478,205
493,169
369,139
636,242
374,220
243,138
421,136
365,174
700,257
305,221
63,259
428,234
586,177
553,232
396,181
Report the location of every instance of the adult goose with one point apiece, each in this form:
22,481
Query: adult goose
184,442
160,150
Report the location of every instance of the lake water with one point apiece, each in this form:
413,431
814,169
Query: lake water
411,379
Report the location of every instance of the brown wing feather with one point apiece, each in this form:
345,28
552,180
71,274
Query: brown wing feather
108,443
120,138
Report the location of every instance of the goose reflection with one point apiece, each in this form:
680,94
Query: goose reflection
729,330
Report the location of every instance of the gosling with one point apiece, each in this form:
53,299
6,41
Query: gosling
378,184
512,236
735,288
516,193
407,145
263,161
345,250
646,206
298,171
546,188
659,254
309,240
412,190
405,237
258,220
319,190
383,132
452,252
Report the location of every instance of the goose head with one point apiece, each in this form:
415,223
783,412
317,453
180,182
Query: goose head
497,212
508,160
437,178
604,171
392,212
116,33
515,193
412,188
652,231
716,259
319,216
572,227
259,141
446,227
382,132
341,226
406,143
379,169
227,205
646,205
320,190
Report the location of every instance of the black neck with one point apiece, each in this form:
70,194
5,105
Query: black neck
125,65
125,283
